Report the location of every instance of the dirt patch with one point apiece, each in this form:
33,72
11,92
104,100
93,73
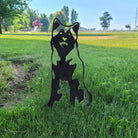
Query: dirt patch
19,83
97,37
19,75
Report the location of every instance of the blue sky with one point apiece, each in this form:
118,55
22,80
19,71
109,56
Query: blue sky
122,11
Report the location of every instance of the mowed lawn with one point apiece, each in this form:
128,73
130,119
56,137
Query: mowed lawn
111,75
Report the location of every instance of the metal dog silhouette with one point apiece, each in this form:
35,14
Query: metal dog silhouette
64,43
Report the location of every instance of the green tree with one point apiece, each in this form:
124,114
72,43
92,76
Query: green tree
61,16
6,23
66,12
74,16
17,23
11,8
128,27
24,21
105,20
50,18
44,20
21,22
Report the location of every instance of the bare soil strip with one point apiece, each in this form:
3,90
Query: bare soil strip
18,84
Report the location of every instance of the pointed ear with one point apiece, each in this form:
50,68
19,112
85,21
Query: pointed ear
55,24
76,27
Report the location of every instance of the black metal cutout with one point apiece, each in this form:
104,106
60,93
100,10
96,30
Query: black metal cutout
64,43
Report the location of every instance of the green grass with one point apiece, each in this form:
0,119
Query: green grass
6,74
111,77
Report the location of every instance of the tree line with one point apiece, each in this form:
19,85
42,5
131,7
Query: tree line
16,15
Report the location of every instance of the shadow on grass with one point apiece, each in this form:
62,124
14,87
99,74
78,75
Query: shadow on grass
20,59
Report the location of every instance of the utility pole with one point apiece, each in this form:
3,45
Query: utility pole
136,19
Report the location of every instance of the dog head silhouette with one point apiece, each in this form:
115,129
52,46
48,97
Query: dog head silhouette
64,41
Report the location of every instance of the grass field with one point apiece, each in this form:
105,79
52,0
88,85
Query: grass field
111,65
